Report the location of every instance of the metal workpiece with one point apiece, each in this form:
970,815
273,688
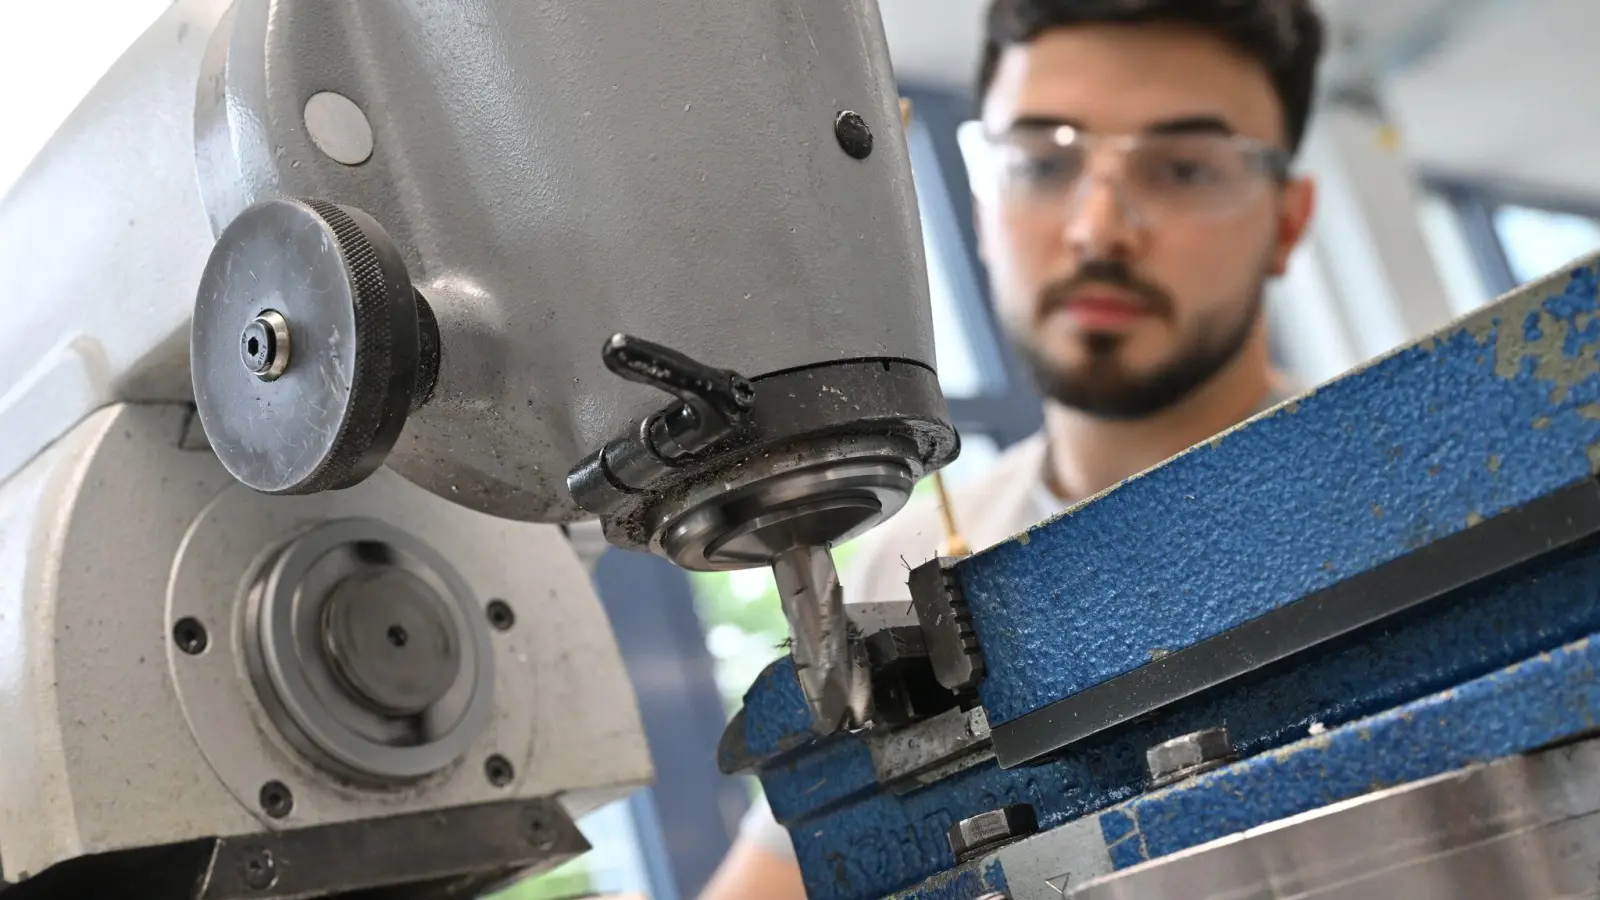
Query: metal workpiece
1524,827
598,148
921,754
163,737
1189,755
946,624
834,679
777,717
988,830
904,688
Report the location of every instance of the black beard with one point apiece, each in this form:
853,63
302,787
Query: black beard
1104,390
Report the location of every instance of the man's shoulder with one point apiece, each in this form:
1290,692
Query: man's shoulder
988,508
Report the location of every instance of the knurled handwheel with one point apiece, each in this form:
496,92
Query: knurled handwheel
305,346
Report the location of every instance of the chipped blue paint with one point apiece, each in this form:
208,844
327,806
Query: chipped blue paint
968,882
855,842
1537,702
1124,843
776,717
1517,709
1492,413
831,773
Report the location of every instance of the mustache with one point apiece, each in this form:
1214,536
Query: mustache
1106,273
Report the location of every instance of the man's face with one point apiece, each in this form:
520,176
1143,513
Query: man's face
1122,296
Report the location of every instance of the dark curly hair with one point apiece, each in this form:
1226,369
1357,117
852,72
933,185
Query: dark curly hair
1285,36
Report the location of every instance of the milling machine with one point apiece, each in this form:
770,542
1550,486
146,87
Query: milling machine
324,318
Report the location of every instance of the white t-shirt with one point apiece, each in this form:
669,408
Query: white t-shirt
1009,498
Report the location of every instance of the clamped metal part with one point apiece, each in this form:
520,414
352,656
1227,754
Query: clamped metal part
946,625
711,404
310,347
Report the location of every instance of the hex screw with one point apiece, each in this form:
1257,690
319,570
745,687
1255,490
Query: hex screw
190,636
1184,757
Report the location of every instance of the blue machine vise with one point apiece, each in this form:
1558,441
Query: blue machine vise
1390,580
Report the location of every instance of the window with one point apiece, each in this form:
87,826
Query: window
1452,250
1512,240
1537,242
960,374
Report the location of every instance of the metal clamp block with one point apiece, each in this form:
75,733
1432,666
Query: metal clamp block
946,624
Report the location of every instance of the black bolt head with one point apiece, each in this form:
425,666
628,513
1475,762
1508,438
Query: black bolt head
501,616
498,770
260,870
540,833
190,636
853,134
277,800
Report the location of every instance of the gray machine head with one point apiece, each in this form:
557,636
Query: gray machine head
661,266
653,263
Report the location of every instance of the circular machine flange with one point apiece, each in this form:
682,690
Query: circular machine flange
234,543
831,491
888,415
323,639
331,410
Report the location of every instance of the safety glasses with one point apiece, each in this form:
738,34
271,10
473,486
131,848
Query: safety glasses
1045,170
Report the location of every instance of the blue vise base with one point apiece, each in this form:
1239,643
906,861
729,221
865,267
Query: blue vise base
1490,415
1523,708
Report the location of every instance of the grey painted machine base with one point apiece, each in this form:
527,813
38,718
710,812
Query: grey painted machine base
133,725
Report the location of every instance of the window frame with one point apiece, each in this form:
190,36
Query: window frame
1476,203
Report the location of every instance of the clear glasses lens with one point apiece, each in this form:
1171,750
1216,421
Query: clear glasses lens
1191,175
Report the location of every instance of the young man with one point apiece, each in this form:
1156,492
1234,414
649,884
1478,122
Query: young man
1133,196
